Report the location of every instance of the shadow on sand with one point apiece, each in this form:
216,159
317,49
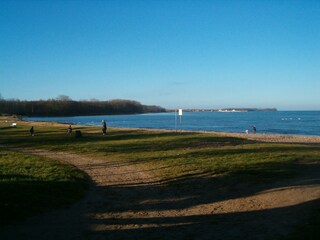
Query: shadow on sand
178,209
197,206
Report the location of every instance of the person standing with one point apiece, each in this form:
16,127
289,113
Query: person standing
104,127
254,129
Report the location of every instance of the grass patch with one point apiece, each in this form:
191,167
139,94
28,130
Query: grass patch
30,185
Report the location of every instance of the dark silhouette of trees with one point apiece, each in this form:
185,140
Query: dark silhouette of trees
65,106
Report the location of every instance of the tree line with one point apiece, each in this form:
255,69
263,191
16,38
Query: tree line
64,106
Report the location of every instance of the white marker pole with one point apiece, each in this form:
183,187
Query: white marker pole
180,115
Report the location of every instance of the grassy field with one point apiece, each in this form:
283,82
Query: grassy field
177,158
175,155
30,185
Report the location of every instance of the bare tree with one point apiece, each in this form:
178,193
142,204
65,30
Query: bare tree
64,106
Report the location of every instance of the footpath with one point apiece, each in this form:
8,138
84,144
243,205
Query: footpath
127,201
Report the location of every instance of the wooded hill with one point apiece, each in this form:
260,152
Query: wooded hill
68,107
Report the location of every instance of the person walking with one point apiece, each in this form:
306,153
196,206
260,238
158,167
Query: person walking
69,131
31,131
104,127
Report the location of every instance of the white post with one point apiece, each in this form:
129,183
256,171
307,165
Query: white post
180,114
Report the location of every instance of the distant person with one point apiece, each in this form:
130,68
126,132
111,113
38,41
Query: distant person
254,129
104,127
69,131
247,131
31,131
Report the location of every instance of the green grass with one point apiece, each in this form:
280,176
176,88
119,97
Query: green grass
177,158
30,185
174,155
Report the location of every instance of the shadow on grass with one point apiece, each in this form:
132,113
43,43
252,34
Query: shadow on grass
26,197
119,141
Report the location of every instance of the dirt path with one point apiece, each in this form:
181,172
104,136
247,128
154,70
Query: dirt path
126,201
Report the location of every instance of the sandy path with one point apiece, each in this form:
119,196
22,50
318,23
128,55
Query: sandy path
126,201
75,222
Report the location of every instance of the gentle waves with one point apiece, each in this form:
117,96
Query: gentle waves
280,122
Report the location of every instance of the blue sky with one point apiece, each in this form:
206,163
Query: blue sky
188,54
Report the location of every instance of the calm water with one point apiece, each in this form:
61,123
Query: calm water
281,122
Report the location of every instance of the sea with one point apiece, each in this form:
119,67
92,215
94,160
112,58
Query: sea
277,122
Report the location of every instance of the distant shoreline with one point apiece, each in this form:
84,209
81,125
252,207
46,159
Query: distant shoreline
227,110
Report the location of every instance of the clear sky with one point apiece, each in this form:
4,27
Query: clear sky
189,54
